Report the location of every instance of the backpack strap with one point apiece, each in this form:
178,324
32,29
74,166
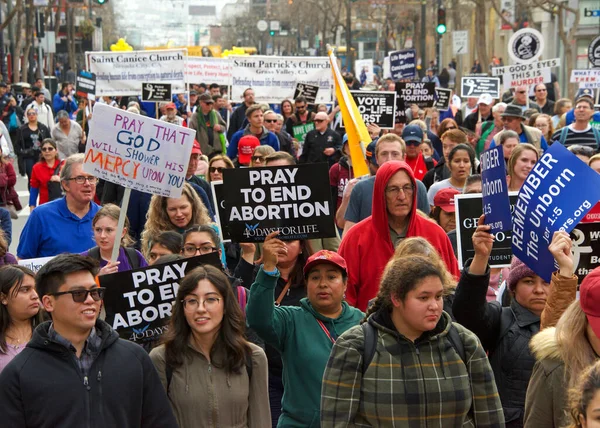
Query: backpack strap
457,343
370,345
94,253
563,135
241,295
132,257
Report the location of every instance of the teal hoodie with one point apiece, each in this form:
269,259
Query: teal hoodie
303,345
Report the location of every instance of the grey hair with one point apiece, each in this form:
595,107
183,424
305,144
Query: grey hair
133,110
506,135
62,115
65,173
498,107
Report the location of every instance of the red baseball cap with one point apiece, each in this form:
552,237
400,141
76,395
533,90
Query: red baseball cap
445,199
171,105
246,147
325,256
589,299
196,148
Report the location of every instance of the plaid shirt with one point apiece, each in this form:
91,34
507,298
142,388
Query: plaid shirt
410,385
91,348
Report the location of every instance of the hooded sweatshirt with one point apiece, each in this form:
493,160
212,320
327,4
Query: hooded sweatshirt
367,247
304,346
266,138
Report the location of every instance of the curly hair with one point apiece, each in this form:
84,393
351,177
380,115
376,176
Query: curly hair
158,219
402,275
583,393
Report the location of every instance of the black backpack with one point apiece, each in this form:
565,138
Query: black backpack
132,256
370,335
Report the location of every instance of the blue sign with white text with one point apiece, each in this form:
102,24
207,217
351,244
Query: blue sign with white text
496,205
403,64
557,193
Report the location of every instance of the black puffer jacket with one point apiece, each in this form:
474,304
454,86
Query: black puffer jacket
44,388
438,173
505,333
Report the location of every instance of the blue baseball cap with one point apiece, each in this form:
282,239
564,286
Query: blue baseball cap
412,133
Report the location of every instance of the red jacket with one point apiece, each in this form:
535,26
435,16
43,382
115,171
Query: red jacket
367,247
40,176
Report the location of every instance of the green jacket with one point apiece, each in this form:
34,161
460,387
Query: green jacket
409,384
303,345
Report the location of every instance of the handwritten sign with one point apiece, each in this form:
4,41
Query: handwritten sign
137,152
496,205
556,195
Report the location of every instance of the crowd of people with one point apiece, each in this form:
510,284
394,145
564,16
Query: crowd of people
376,326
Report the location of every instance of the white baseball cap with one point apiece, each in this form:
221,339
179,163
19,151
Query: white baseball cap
485,99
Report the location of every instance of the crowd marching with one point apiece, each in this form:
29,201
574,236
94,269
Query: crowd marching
377,326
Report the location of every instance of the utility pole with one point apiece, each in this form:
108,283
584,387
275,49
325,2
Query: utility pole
349,53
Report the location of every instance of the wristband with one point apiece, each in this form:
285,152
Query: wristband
271,273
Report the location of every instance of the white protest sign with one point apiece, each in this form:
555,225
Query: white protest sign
274,78
122,73
529,78
586,78
364,70
205,69
460,42
526,45
526,70
137,152
35,264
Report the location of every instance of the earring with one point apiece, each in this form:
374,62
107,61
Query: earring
4,302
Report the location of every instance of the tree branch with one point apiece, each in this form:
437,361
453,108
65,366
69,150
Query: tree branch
10,16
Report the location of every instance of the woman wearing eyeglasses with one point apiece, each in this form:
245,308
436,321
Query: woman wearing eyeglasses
104,226
19,310
29,140
213,376
45,176
216,167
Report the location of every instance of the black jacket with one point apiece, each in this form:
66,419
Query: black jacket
315,143
43,387
236,121
504,333
470,121
437,173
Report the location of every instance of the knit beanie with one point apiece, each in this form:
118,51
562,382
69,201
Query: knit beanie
518,270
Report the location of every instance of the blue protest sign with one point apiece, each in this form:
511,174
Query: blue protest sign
557,193
496,205
403,64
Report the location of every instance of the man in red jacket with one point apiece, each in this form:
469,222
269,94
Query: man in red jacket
369,245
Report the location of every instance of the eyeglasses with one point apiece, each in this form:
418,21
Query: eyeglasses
271,120
258,158
190,250
80,179
300,107
192,304
521,92
218,169
31,113
319,120
80,296
395,191
47,149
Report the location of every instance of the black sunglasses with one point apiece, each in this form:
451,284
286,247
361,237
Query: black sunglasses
319,120
79,296
218,169
258,158
271,120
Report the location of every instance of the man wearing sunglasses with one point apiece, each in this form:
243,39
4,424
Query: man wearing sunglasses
76,371
65,224
521,99
301,116
322,144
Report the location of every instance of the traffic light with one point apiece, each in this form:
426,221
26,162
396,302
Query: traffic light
272,33
441,25
101,2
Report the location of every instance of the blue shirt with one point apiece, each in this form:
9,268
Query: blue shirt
52,229
266,139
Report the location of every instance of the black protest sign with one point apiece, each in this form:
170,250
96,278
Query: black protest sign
474,86
585,248
220,212
376,107
419,93
594,52
85,84
293,200
139,302
468,210
307,91
156,92
443,98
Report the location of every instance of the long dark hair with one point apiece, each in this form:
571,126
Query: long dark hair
230,338
12,276
297,274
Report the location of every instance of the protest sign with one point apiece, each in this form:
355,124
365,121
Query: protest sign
274,78
85,85
442,98
496,205
585,249
376,107
403,64
557,193
468,211
474,86
513,80
35,264
307,91
123,72
138,152
419,93
300,131
156,92
206,69
526,45
288,199
386,68
594,52
220,212
364,71
586,78
139,302
526,70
